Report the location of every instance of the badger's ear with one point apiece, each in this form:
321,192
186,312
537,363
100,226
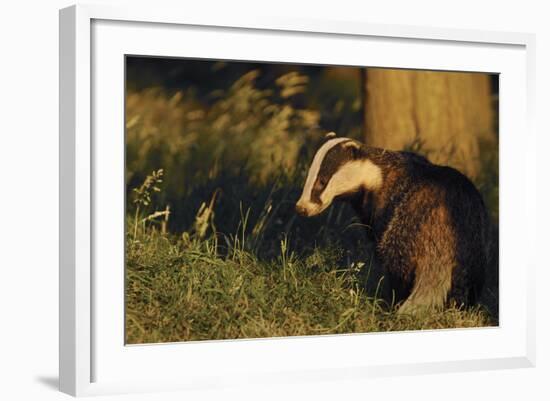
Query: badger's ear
354,148
330,135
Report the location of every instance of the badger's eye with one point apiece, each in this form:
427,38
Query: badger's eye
322,181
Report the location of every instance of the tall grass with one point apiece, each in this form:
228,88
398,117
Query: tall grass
189,287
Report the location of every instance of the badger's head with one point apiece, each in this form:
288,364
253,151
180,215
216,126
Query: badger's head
340,167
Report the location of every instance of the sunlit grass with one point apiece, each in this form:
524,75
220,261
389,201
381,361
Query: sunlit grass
181,289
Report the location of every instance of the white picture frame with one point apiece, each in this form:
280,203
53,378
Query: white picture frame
90,337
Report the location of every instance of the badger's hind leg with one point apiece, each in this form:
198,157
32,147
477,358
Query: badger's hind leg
434,261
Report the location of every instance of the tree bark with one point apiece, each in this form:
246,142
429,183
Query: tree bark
443,115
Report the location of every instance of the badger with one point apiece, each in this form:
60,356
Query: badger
428,222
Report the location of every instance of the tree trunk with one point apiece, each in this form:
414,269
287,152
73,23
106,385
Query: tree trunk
444,115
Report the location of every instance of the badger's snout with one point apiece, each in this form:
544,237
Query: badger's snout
308,209
301,209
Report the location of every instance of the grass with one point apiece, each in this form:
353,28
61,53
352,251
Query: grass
181,289
214,249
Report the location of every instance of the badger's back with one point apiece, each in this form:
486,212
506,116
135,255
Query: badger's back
432,233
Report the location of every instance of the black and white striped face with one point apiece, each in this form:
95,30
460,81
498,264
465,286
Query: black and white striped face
338,168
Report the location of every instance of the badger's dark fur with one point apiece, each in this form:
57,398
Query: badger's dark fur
429,222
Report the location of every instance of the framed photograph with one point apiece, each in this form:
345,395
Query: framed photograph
274,200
